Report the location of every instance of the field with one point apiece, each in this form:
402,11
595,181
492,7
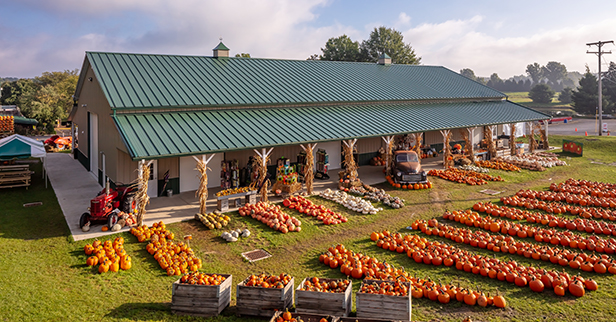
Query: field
551,108
45,278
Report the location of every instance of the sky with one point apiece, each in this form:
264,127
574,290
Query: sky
486,36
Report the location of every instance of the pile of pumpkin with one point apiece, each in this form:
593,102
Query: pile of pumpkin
500,243
144,233
415,186
233,191
559,207
498,165
110,255
174,258
268,281
464,176
199,278
213,220
272,216
307,207
579,224
435,253
541,235
328,285
571,198
356,204
583,187
377,195
359,265
392,288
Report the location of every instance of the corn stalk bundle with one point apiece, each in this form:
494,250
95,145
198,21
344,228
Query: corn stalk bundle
262,174
512,139
142,197
487,135
467,145
349,161
447,151
201,193
544,137
532,142
308,174
417,139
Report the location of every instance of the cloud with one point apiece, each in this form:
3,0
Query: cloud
458,44
265,28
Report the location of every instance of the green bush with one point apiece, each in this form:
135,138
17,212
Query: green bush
541,93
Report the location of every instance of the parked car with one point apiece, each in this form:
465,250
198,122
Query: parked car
407,168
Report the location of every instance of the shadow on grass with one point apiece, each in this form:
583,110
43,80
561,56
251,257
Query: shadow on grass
142,311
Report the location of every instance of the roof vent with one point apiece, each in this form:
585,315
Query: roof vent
384,59
221,50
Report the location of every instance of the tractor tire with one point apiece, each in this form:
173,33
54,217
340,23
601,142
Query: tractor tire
84,219
112,219
129,204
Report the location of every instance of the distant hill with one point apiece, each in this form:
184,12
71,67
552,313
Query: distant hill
8,79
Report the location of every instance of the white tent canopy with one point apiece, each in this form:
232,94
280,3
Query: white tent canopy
22,147
18,146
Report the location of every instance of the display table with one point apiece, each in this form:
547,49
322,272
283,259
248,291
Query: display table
481,155
222,204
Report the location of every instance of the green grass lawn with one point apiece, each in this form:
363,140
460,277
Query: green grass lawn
523,99
44,276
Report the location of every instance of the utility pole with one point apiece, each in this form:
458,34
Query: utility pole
600,44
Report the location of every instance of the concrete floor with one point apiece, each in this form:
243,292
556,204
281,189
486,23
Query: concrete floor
75,186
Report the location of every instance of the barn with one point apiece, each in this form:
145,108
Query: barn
169,108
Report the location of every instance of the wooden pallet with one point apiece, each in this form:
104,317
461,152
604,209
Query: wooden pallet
201,300
380,306
311,302
263,302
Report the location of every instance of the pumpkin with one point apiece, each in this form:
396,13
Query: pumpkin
103,267
499,301
105,228
92,261
287,315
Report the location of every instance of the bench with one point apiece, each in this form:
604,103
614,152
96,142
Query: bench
13,176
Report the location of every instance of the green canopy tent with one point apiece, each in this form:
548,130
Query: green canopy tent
22,147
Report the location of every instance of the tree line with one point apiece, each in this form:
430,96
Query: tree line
46,98
382,40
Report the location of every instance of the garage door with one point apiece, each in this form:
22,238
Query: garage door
189,176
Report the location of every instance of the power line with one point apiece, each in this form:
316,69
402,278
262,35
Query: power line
599,52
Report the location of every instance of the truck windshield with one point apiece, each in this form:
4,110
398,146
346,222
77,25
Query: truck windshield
406,158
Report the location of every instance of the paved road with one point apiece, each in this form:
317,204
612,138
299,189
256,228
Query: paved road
582,125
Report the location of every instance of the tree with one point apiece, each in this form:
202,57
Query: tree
391,42
340,49
12,92
468,73
585,97
541,93
496,82
609,89
554,71
565,95
313,57
242,55
535,72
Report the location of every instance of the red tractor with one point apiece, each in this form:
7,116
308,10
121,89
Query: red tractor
102,206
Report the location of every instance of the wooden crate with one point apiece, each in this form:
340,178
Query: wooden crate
339,304
307,317
201,300
380,306
258,301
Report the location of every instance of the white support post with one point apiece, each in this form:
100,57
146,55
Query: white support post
471,133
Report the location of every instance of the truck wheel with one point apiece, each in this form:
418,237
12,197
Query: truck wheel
129,203
112,220
83,220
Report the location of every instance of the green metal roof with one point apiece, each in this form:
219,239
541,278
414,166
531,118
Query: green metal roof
146,81
155,135
384,55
